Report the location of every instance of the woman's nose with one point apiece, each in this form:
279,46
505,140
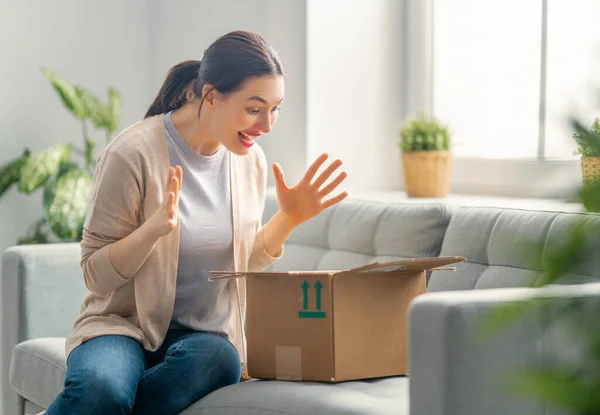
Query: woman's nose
265,123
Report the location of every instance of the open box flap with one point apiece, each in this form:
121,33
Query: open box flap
412,264
223,275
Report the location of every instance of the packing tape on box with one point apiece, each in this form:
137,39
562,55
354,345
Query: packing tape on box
288,362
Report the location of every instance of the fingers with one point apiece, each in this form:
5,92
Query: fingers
279,177
170,178
174,186
171,210
171,204
175,172
331,186
330,202
327,173
179,175
314,168
176,175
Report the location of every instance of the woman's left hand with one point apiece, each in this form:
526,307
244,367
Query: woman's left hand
307,198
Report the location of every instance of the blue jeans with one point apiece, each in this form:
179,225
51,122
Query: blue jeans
115,375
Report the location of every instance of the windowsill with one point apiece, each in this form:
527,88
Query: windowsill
552,205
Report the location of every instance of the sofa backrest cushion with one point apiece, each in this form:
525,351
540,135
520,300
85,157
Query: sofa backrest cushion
356,232
497,244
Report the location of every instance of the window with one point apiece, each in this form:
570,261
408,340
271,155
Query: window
572,70
507,74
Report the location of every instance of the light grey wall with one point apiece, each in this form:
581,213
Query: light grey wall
354,83
184,29
129,45
91,43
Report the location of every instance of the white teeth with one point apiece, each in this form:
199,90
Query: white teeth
246,137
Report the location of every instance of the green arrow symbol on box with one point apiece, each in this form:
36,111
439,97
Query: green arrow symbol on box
318,287
305,288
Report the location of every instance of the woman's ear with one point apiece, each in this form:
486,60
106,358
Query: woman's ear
210,94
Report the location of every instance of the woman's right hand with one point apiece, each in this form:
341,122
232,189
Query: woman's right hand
166,218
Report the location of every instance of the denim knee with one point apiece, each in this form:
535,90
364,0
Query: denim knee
99,394
227,362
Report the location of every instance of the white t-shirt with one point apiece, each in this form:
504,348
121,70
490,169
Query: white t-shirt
206,240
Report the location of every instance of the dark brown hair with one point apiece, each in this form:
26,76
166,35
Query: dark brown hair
226,64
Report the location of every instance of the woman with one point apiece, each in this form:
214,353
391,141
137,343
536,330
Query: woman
154,335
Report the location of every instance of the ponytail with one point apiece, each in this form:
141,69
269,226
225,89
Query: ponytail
227,63
176,89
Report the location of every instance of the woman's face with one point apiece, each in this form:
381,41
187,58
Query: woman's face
243,116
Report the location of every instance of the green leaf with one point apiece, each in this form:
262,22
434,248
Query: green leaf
10,172
424,134
115,102
40,166
102,115
95,109
564,389
89,152
588,139
501,316
66,166
589,195
66,202
68,94
580,244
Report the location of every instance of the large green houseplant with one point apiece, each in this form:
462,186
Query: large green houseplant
571,385
66,184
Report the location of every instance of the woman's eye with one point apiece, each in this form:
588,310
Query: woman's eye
257,110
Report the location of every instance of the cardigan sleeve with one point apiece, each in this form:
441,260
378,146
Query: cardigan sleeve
259,257
113,214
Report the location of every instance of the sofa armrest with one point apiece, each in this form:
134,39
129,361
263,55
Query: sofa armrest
455,371
41,290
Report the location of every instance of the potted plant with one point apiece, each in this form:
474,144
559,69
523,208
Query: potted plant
426,157
66,185
590,154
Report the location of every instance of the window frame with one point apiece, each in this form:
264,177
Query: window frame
530,177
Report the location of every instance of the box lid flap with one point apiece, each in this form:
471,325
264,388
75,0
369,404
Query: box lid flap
412,264
222,275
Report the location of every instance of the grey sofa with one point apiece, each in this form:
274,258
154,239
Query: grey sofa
41,290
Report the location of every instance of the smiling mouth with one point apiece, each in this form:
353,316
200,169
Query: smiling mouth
247,138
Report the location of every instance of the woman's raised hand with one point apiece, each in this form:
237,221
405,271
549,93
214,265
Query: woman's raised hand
166,218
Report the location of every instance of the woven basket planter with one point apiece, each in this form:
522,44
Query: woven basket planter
590,169
427,173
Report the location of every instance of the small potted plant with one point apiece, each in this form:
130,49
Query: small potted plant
590,152
426,157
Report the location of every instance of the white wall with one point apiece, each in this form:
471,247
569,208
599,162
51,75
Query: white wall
184,29
129,45
354,88
91,43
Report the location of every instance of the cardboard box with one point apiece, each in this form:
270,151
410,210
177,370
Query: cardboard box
332,326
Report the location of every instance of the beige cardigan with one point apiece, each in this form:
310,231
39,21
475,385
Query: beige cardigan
130,183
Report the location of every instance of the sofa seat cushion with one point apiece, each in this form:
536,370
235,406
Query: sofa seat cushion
37,370
374,397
